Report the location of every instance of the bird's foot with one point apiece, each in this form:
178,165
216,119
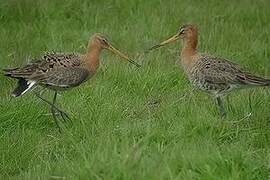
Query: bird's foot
63,115
65,118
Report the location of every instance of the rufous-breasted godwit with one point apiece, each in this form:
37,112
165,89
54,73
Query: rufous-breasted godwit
61,71
217,76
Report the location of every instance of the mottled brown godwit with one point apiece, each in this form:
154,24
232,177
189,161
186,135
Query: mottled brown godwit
61,71
217,76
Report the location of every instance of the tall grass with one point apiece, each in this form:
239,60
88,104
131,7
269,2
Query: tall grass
131,123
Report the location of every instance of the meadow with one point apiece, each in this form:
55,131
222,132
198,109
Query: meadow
130,123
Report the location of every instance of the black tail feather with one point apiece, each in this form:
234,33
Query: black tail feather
22,85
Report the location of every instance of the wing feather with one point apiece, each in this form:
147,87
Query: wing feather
65,77
218,70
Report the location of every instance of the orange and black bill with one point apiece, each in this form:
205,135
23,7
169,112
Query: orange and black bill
169,40
116,51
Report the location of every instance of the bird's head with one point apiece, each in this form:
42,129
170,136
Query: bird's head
185,32
99,40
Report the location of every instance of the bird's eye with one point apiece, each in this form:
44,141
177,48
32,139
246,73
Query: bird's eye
182,31
104,41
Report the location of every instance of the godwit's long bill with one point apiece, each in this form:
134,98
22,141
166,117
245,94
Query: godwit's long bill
61,71
217,76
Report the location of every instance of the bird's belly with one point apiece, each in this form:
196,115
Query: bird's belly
65,83
216,89
56,88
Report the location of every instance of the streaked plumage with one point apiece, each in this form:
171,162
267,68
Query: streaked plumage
60,71
217,76
57,71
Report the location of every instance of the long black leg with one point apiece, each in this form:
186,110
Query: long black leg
48,102
53,111
62,113
221,107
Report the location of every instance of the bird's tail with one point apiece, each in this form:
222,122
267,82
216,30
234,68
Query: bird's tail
15,73
257,81
23,85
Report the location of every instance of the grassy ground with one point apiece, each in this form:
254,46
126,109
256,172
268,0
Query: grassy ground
136,123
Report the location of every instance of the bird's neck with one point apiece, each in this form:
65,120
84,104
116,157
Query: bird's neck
189,52
92,56
189,46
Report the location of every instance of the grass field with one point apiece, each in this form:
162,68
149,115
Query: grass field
131,123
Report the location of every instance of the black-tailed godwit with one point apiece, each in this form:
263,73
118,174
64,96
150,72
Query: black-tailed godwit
215,75
61,71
